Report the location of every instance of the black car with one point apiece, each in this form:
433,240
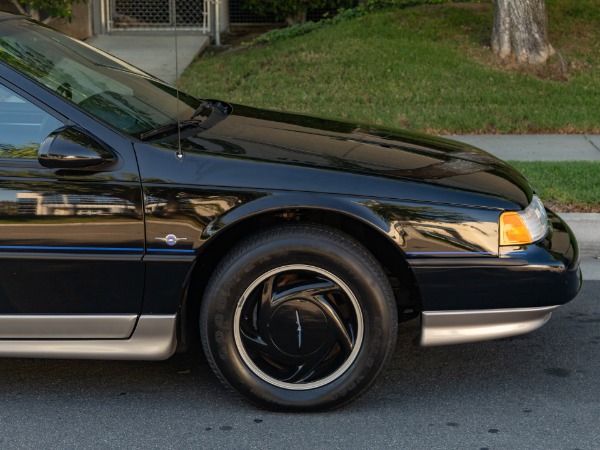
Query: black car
135,219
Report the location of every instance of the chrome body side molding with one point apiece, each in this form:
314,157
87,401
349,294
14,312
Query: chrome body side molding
456,327
67,326
154,338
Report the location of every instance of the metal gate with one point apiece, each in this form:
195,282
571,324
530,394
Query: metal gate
154,15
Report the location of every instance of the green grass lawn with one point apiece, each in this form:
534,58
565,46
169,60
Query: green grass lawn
426,68
565,186
430,69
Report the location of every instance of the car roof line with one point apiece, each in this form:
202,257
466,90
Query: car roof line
8,16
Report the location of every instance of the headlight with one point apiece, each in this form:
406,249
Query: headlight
524,227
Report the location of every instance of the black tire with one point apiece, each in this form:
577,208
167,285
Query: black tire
298,318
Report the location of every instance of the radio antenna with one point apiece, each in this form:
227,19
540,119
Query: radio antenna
179,150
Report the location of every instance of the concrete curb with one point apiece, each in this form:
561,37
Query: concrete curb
586,227
587,231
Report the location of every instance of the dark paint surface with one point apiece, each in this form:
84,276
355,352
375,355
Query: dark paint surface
277,151
71,241
547,274
423,210
88,235
290,139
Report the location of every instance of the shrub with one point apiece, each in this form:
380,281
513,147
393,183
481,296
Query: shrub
293,11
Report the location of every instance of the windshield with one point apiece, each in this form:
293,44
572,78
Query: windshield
110,89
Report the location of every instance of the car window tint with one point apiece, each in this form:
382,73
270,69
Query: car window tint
23,126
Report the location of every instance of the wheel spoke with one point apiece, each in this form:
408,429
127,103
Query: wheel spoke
310,364
257,344
266,305
337,324
302,289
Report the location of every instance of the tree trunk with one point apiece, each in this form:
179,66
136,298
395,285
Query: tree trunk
521,31
19,7
34,13
298,18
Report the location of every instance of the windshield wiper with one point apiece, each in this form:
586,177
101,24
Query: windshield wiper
170,128
203,105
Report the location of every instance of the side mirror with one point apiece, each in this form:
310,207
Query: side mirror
73,148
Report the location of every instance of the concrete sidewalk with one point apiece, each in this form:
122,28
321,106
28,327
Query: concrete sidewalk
536,147
154,53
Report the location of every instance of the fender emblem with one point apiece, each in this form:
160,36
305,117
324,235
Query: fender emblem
170,239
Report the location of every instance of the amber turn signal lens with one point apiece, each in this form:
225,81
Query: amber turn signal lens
513,230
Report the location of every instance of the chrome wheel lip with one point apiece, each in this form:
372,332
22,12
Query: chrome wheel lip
299,386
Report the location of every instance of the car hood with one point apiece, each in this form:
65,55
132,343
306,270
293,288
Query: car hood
308,141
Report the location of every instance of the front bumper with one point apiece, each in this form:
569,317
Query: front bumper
473,299
457,327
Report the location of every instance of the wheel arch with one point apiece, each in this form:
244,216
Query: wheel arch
227,231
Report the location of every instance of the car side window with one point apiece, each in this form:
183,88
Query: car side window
23,126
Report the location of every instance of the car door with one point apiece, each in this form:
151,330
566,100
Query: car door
71,241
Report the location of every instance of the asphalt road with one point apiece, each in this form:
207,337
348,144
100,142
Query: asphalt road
538,391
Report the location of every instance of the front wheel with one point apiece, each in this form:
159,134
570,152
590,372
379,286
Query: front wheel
299,318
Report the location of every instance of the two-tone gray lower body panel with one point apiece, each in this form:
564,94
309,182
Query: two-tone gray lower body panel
67,326
153,338
457,327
